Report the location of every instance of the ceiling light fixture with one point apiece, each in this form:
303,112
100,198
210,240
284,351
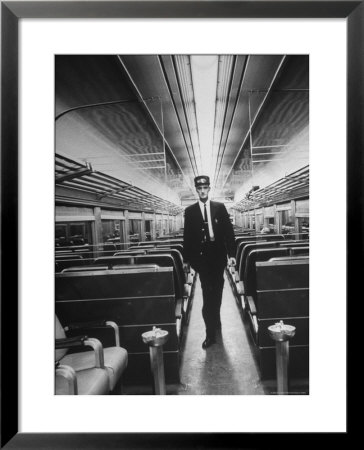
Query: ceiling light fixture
204,70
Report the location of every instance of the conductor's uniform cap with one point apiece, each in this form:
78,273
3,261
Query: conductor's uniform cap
202,180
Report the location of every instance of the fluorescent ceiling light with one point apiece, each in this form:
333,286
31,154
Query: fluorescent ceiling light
204,70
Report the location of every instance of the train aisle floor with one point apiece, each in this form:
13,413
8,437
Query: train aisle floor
227,367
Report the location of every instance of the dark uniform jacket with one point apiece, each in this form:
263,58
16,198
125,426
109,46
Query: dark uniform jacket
193,236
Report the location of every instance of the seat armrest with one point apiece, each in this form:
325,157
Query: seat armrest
96,324
240,288
186,290
178,309
189,278
99,351
69,374
113,325
84,341
76,341
251,303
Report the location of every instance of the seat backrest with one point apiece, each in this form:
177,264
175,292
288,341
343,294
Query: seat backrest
172,246
241,243
249,277
132,251
282,293
63,262
294,243
292,273
111,261
247,248
135,266
176,254
84,268
132,296
290,258
109,248
67,256
274,237
298,251
165,260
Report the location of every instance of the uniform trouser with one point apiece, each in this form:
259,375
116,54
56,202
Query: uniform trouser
211,271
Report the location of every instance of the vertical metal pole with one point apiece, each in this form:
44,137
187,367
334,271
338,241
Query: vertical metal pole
164,144
156,361
250,139
282,357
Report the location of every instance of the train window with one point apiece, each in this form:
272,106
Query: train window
61,232
259,222
148,230
135,230
111,229
158,229
78,233
287,222
304,226
271,224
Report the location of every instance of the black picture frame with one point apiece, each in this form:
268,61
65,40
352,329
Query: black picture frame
11,13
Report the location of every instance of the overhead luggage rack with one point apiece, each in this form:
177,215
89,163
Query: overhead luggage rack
72,174
289,187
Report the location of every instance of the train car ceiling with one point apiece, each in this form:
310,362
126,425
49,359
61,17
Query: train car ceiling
139,122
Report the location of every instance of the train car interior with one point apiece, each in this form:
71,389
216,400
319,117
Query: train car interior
131,134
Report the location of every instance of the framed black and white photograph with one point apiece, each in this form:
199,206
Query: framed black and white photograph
180,183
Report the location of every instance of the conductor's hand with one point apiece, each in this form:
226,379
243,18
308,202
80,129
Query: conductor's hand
232,262
186,267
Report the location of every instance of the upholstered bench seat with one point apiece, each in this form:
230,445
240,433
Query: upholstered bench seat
115,361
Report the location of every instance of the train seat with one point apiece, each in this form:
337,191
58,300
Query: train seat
136,299
111,261
178,259
246,248
255,255
240,244
112,360
299,251
282,293
245,287
176,246
66,261
166,260
115,362
86,382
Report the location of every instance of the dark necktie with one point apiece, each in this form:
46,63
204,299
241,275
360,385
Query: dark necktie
206,223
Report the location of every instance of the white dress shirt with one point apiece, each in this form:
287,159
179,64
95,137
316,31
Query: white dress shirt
211,231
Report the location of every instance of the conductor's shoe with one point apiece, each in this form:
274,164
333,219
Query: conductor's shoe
208,342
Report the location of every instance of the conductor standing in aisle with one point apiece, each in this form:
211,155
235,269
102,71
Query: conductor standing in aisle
207,242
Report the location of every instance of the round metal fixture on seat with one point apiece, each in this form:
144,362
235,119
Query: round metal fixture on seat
156,338
281,333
